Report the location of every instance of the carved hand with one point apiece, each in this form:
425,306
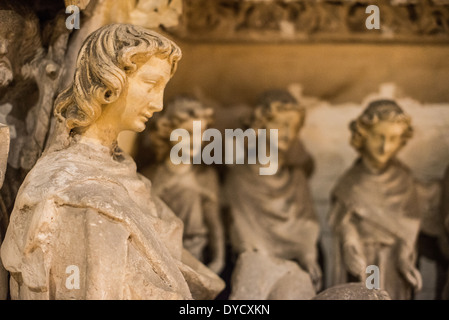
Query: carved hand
315,273
354,260
411,274
406,266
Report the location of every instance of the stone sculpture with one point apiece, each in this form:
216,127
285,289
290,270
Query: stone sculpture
445,215
190,190
375,213
31,65
274,228
4,217
433,240
19,45
85,225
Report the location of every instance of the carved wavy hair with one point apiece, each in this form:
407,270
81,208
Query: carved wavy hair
180,109
104,62
378,110
265,110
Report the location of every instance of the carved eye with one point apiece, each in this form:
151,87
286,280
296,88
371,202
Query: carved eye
150,84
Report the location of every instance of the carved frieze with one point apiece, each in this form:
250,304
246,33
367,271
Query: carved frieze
308,21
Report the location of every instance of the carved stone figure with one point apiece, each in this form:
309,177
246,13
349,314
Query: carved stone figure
433,240
83,211
19,44
190,190
4,218
375,214
274,228
30,70
445,215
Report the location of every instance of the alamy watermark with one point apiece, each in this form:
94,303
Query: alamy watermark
72,21
73,280
373,21
373,280
256,147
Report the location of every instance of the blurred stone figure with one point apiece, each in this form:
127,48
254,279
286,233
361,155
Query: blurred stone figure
375,214
433,240
445,215
20,43
190,190
85,225
31,65
274,228
4,219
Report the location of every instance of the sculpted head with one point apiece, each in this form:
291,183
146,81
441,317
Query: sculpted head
19,39
120,77
180,113
380,132
278,109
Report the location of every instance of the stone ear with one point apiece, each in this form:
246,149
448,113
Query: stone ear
107,95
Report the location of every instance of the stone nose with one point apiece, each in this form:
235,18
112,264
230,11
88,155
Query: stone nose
3,47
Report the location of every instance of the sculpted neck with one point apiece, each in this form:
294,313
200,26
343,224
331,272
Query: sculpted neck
104,133
373,166
177,168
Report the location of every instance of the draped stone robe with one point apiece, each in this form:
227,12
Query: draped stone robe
380,213
84,207
272,213
273,226
193,196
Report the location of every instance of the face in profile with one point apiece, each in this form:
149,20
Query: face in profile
144,94
383,141
287,122
11,26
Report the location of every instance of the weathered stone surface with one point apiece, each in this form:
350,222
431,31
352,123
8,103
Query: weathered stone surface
258,276
352,291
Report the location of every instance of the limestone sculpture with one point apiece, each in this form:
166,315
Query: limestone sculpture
445,215
19,45
31,66
190,190
274,229
4,218
375,214
85,225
